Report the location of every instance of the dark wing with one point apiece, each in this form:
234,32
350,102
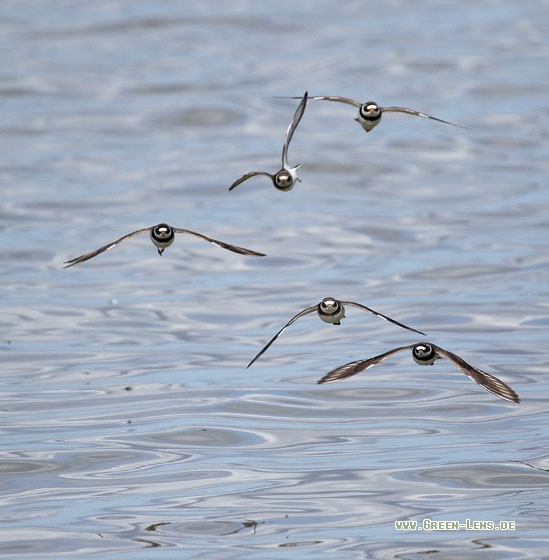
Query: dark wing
233,248
292,320
417,113
248,175
328,98
352,368
291,129
485,380
87,256
360,306
339,99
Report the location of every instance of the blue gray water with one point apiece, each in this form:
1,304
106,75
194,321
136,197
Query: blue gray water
128,419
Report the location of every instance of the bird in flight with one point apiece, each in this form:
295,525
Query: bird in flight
369,113
426,354
330,310
285,179
162,236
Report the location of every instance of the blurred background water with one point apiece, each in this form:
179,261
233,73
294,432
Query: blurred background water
128,419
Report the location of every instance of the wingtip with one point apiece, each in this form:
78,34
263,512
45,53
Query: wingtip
511,397
324,379
235,183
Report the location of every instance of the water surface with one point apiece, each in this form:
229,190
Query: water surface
129,421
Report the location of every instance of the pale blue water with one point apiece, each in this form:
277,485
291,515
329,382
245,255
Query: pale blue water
130,426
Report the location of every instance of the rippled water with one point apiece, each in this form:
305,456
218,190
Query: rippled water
128,419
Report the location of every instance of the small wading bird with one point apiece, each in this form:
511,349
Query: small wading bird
369,113
284,179
162,236
330,310
426,354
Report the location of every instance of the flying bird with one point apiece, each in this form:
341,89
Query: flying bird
426,354
330,310
162,236
285,179
369,113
